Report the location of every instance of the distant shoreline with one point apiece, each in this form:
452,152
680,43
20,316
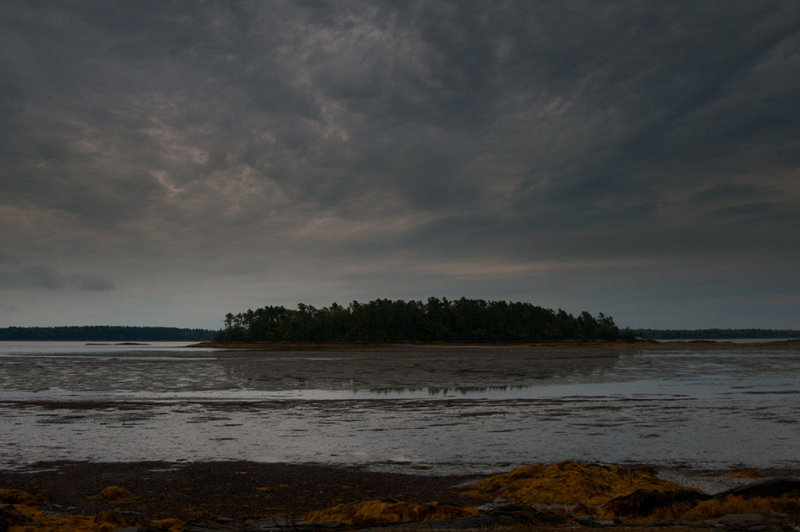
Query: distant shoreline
104,333
299,346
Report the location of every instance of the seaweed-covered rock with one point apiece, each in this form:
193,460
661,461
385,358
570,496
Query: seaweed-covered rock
76,523
10,496
745,473
735,505
111,519
388,511
652,504
527,514
115,495
567,483
10,516
773,487
24,511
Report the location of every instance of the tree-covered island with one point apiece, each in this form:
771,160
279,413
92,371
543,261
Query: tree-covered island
437,320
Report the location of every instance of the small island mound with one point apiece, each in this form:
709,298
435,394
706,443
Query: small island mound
383,321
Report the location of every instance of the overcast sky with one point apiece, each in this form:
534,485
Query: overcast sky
163,163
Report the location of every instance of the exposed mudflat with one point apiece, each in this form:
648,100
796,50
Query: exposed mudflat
229,489
431,409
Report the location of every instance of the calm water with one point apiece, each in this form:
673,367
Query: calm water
448,408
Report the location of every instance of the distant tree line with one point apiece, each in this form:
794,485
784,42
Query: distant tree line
437,320
106,333
710,334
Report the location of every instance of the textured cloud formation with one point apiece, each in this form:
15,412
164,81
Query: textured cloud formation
49,278
35,276
94,283
636,159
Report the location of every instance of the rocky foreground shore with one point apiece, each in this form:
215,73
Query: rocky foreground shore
257,497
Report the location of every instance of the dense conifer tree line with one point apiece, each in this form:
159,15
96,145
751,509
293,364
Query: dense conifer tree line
437,320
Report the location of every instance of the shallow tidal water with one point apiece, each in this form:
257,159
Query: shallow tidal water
440,409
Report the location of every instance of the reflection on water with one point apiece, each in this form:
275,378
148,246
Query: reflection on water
455,409
497,392
416,368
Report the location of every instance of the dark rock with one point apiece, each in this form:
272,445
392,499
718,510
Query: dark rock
276,524
213,525
523,513
642,503
480,521
19,497
741,519
773,487
752,523
591,521
9,517
506,515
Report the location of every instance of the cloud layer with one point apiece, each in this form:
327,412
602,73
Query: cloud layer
636,159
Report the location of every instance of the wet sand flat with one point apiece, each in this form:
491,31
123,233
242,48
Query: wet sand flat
453,409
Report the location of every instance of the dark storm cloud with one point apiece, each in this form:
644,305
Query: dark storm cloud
312,140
